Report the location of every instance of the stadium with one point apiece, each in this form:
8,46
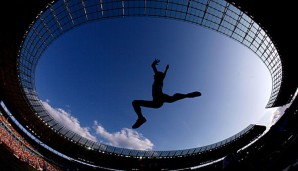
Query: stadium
30,139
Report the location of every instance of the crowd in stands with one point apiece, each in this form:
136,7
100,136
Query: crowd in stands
274,151
21,149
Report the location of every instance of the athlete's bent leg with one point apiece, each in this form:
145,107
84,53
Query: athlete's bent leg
137,107
180,96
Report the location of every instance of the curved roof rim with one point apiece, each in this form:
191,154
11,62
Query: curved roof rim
61,16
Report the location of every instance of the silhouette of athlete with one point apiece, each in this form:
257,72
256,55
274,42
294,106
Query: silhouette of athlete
159,98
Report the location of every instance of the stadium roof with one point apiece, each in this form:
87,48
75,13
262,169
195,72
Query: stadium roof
29,27
277,18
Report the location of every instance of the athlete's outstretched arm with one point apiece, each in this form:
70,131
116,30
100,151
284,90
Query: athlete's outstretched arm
153,65
166,70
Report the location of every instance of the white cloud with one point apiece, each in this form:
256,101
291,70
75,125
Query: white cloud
126,138
278,113
69,121
266,119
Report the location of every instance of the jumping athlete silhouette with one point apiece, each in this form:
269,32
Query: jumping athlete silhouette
159,98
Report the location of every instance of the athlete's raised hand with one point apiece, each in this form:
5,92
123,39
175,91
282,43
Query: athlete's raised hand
155,62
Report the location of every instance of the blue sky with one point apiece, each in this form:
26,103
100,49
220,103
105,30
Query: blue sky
88,78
